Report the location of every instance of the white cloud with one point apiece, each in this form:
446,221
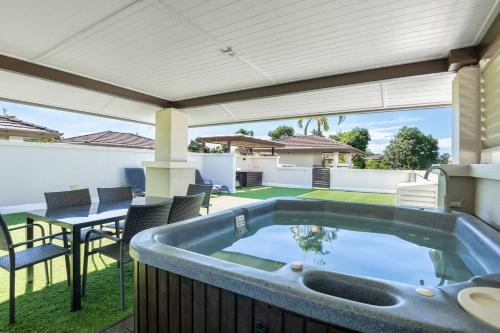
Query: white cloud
383,133
377,148
444,143
403,120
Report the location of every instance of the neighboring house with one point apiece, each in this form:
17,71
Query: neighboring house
375,157
309,150
112,139
14,129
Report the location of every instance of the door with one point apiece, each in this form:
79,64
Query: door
321,177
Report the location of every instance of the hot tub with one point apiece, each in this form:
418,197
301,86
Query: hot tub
300,265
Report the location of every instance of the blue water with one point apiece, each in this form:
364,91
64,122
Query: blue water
369,248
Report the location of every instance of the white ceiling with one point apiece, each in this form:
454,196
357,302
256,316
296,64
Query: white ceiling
172,48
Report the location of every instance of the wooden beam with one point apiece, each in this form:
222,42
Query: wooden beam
42,72
459,58
337,80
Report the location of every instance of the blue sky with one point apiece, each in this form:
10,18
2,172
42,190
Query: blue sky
381,125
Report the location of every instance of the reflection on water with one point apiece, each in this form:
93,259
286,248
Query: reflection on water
374,249
315,239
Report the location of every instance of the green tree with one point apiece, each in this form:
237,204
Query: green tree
195,146
281,132
244,132
444,158
357,138
377,164
411,149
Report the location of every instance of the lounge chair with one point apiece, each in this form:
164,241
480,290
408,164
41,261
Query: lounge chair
199,180
136,178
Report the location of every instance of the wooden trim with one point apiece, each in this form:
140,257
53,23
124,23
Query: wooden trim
459,58
337,80
47,73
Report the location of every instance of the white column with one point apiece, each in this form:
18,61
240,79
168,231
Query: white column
335,159
170,173
466,117
348,158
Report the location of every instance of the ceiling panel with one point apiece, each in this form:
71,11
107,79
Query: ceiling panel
32,27
20,88
417,91
172,48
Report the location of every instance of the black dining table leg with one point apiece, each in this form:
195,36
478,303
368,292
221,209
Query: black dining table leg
76,296
29,236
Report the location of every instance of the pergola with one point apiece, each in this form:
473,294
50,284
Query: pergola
241,141
193,63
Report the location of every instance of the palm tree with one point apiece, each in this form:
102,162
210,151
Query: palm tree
301,124
321,122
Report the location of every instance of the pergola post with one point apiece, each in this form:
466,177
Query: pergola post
170,173
202,147
272,151
228,148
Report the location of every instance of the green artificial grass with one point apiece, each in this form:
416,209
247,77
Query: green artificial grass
45,308
373,198
267,192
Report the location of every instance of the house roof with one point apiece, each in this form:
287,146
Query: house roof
375,157
11,126
241,140
112,139
313,143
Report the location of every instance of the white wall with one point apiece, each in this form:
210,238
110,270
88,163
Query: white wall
365,180
368,180
219,168
28,169
301,159
487,207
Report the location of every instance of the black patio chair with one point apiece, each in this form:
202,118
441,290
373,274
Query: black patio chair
185,207
14,261
136,178
66,199
139,218
207,189
110,194
199,180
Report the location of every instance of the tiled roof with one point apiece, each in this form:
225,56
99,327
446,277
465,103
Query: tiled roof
15,127
314,143
112,139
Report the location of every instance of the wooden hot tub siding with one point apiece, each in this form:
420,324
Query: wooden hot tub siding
167,302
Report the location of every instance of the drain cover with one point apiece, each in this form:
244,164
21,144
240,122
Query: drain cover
425,292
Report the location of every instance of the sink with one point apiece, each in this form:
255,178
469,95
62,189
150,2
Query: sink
350,288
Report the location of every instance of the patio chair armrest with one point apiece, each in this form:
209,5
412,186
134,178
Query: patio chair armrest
101,233
29,241
42,230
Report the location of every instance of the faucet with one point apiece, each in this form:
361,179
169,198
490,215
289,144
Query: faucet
447,207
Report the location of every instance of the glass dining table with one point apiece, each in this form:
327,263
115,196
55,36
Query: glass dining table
73,220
